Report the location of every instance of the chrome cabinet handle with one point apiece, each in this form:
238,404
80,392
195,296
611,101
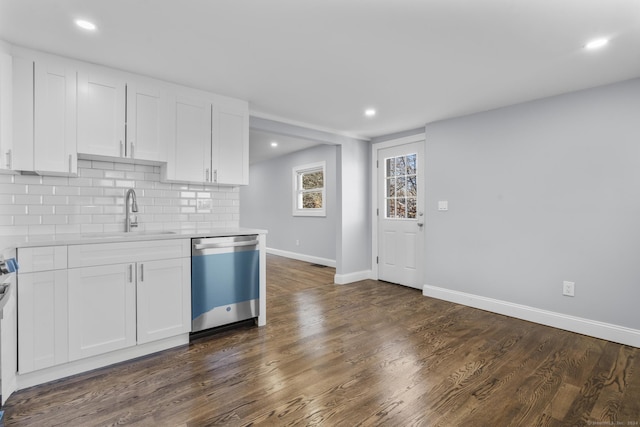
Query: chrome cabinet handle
215,175
121,149
130,273
132,146
206,175
142,272
70,161
8,159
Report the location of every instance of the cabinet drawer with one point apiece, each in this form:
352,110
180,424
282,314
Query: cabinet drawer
42,258
127,252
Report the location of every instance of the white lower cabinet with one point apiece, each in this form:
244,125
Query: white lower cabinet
163,299
42,308
80,301
102,309
42,316
117,306
120,304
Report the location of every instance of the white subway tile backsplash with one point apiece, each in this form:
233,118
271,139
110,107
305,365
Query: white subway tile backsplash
41,229
54,219
40,209
40,189
26,220
61,190
27,179
67,229
95,164
55,180
93,202
20,199
13,230
15,210
114,174
124,166
13,189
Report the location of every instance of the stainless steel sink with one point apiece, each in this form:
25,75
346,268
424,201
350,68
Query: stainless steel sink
120,234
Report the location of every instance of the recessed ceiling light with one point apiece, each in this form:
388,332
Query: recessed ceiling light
86,25
596,43
274,144
369,112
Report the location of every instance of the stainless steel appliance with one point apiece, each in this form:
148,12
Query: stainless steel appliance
225,277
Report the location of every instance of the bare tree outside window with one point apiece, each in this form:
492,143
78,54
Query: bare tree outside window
309,190
401,189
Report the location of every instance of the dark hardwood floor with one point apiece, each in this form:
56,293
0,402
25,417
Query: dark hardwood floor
368,353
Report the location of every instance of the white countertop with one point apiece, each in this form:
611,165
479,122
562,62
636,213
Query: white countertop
12,242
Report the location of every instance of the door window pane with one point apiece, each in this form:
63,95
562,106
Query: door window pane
401,190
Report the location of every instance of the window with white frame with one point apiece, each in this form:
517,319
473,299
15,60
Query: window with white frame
309,193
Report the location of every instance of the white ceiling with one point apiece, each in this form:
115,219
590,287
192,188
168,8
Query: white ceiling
262,150
322,62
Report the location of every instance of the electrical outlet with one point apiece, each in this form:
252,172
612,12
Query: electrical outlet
204,205
443,205
568,288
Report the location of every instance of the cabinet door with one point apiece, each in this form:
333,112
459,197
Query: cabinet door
230,146
190,158
102,309
101,114
6,109
42,320
164,299
146,122
55,119
23,121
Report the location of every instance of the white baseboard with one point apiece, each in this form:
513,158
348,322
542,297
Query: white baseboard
343,279
606,331
303,257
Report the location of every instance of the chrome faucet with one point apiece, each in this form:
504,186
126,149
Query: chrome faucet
131,193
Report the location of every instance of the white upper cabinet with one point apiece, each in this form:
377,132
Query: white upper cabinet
55,119
44,116
210,141
101,114
191,146
6,109
230,145
146,122
120,117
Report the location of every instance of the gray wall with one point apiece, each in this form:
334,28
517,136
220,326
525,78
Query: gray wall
354,199
267,203
540,193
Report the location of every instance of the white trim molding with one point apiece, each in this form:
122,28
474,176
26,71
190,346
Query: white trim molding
606,331
345,279
302,257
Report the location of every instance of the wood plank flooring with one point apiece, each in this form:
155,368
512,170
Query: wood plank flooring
368,353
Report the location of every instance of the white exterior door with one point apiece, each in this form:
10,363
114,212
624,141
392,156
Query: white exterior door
400,213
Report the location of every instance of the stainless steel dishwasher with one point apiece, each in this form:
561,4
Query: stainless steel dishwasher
225,278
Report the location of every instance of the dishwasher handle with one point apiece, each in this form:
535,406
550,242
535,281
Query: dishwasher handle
199,246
